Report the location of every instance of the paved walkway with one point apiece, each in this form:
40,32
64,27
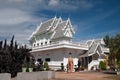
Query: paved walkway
82,76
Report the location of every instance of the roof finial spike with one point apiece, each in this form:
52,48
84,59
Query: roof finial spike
68,19
60,17
55,17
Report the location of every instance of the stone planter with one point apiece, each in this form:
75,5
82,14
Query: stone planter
30,69
44,69
24,69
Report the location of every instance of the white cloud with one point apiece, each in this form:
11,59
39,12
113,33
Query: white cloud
85,4
16,0
19,23
13,17
54,5
53,2
17,16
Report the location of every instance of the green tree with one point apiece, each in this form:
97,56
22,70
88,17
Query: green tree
12,57
113,43
107,40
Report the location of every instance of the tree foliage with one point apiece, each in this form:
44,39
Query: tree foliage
113,43
12,57
102,65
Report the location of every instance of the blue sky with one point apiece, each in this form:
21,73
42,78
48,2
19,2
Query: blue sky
91,19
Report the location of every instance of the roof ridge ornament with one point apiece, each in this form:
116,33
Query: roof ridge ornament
68,19
60,19
55,17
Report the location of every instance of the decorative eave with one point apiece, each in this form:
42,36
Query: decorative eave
102,41
58,22
53,35
84,55
90,43
94,50
52,23
34,33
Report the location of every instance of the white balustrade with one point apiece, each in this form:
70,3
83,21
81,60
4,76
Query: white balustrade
60,44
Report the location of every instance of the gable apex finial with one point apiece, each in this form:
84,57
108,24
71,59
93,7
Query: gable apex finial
55,17
60,17
68,19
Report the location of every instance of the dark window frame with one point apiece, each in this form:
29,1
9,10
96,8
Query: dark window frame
47,59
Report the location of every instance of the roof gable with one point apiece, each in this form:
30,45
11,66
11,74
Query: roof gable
59,32
68,25
68,33
93,48
57,22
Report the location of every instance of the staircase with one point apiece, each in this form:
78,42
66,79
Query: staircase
94,64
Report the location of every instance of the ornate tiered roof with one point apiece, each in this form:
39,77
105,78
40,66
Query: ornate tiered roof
94,46
56,26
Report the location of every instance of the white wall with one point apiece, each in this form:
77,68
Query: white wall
58,56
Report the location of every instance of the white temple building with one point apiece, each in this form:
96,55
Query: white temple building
52,42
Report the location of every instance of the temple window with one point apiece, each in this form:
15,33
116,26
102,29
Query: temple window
50,42
47,59
41,43
37,44
45,42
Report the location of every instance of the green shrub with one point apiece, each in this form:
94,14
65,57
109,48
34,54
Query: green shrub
31,64
46,66
118,63
102,65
